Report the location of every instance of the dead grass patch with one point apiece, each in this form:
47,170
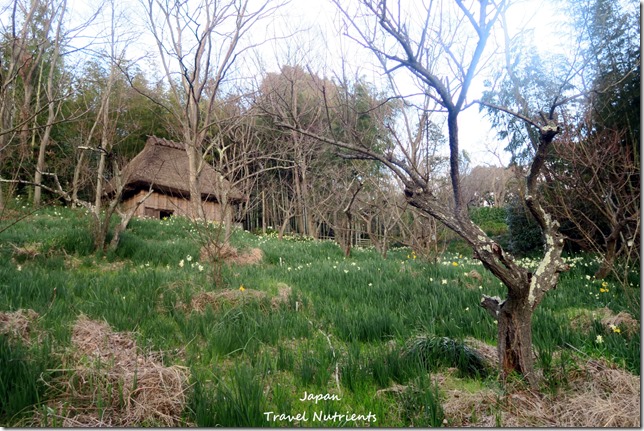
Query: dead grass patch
18,324
27,251
395,389
111,266
583,320
283,292
488,352
235,296
599,395
72,262
230,255
466,408
113,384
621,319
475,275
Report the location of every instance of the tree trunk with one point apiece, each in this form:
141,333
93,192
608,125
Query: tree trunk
611,248
299,202
608,259
196,206
515,338
125,218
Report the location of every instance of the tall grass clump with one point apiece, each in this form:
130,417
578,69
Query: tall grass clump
315,364
421,404
22,374
435,352
239,402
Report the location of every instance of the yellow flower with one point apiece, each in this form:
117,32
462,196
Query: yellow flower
454,263
242,288
604,284
615,329
602,290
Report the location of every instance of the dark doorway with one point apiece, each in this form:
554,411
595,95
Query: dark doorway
165,214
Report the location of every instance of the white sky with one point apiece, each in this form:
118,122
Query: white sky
319,44
476,134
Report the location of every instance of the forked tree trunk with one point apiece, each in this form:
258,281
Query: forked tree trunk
526,289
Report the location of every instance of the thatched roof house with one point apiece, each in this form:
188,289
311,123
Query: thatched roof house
163,164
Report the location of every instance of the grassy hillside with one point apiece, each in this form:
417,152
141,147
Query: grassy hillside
385,339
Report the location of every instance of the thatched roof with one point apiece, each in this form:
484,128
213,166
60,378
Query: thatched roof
163,164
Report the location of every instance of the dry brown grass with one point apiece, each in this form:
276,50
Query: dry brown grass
235,296
475,275
623,320
228,254
28,251
583,319
18,324
133,389
599,395
488,352
465,408
283,292
602,396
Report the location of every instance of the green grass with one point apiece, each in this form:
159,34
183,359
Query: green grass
362,324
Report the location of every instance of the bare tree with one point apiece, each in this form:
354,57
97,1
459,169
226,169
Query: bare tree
58,12
19,65
382,209
297,94
489,185
198,44
597,189
100,141
458,34
240,158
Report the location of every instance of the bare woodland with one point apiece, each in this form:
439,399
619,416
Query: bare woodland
334,155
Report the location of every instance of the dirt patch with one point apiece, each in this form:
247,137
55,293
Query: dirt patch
235,296
134,389
18,324
229,254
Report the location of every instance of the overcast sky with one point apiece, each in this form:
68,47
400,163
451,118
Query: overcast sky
314,38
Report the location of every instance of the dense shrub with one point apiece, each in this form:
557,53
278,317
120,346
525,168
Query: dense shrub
525,236
491,219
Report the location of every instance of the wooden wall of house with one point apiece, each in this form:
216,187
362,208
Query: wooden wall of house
159,205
